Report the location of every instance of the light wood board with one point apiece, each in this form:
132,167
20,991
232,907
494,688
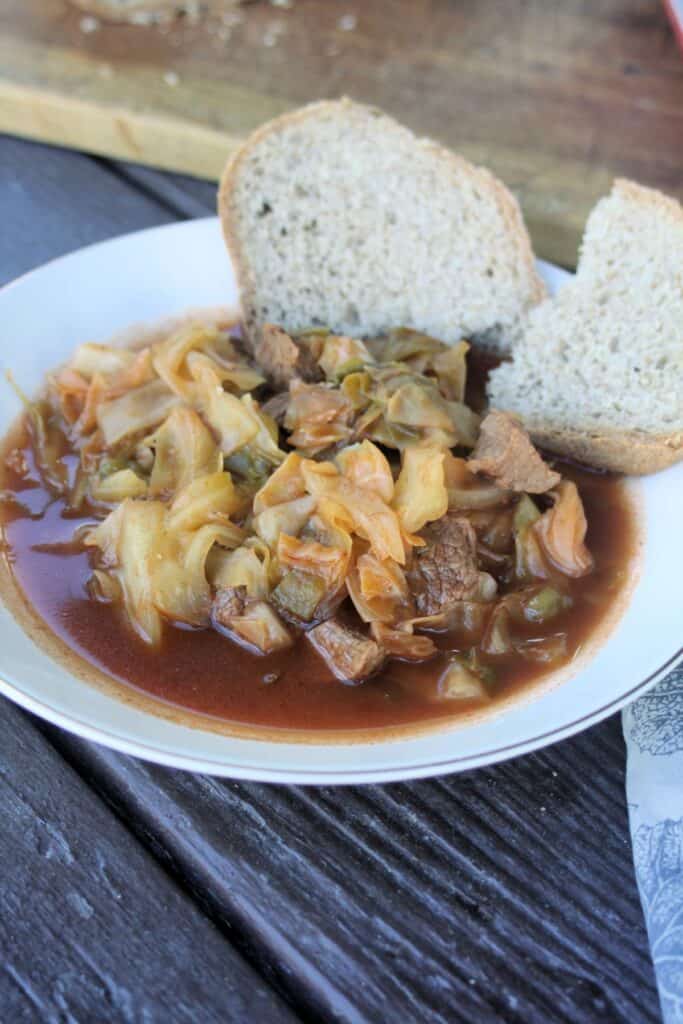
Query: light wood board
556,99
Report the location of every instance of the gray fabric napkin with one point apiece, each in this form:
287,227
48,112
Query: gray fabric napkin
653,729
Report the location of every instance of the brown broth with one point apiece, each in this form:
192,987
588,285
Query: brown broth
205,672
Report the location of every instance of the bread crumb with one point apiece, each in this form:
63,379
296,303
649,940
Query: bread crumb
88,25
347,23
171,78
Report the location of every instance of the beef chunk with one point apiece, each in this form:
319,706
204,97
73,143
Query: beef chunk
505,453
282,358
445,570
228,603
351,655
277,354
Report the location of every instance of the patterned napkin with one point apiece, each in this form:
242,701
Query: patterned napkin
653,729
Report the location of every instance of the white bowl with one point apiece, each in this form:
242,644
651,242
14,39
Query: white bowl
147,276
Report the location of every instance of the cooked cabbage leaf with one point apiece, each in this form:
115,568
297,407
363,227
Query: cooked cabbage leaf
379,590
342,355
135,411
562,531
420,495
184,449
118,486
365,466
372,519
205,498
249,566
310,556
129,540
90,358
285,484
288,517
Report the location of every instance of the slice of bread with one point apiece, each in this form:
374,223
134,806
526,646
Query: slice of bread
336,215
598,372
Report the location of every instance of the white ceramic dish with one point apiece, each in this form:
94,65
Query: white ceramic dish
147,276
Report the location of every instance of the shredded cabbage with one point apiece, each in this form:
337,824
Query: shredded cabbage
118,486
285,484
562,531
379,589
341,356
364,465
212,523
89,359
233,422
318,417
247,566
135,411
289,517
310,556
372,519
205,498
420,495
128,539
184,449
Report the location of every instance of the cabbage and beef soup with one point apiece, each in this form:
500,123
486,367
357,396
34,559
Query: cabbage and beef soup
320,534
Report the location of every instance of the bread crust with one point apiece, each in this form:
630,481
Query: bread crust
344,107
632,452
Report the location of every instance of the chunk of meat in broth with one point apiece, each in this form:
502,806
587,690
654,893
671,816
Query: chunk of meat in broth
282,358
445,570
504,453
351,655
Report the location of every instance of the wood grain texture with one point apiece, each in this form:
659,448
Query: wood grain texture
91,927
505,894
556,99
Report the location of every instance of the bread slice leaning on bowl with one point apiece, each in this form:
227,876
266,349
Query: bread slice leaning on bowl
336,215
598,372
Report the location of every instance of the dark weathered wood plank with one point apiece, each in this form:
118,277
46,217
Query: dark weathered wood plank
505,894
187,197
91,927
53,201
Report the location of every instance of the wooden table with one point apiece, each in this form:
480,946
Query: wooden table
131,893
